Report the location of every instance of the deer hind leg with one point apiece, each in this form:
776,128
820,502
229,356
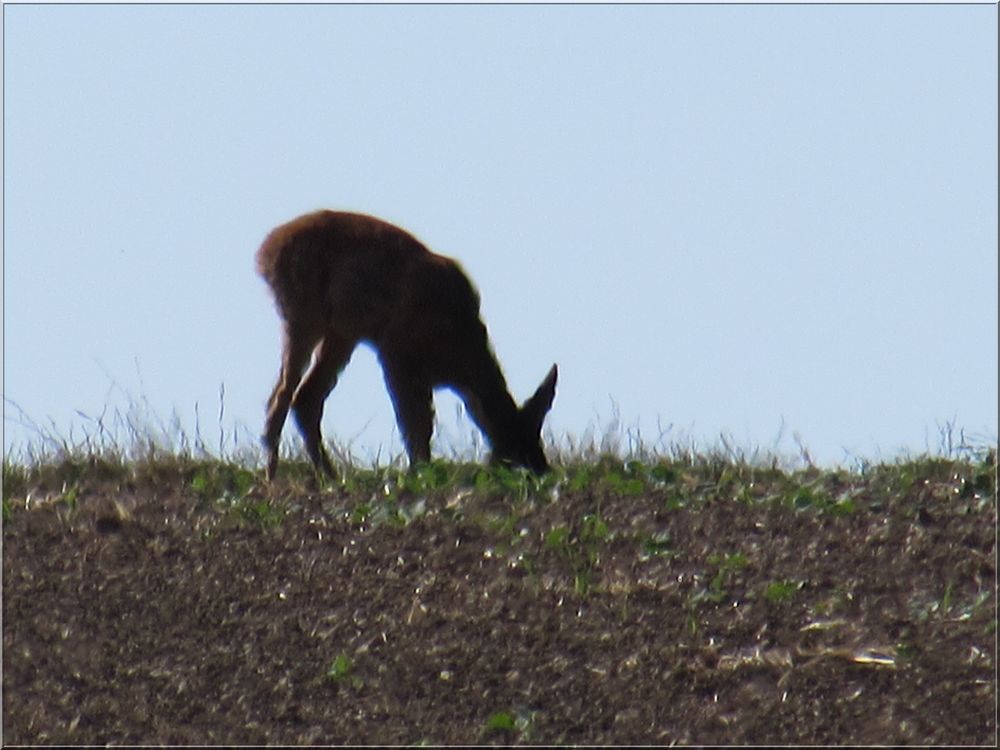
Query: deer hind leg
413,401
298,347
332,356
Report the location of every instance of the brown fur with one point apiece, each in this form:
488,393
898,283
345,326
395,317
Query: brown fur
340,279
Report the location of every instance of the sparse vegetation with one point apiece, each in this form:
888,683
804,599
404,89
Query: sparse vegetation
691,598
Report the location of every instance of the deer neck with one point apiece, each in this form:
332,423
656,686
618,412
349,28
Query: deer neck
490,404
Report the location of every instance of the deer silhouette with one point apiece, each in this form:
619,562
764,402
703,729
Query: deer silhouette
340,279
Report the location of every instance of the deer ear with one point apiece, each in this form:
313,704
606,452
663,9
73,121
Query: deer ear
536,407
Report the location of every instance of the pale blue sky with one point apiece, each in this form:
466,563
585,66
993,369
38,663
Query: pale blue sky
741,220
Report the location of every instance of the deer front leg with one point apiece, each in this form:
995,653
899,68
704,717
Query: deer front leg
413,401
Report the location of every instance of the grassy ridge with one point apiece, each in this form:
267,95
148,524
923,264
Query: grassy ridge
370,497
686,479
690,598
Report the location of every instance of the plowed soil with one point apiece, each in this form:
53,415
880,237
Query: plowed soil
702,610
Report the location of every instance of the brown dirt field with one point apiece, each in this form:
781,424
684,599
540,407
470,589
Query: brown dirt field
697,612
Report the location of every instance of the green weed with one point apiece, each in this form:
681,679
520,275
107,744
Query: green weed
215,480
519,721
631,480
781,592
70,497
581,550
254,511
656,545
727,565
341,671
229,487
340,668
501,721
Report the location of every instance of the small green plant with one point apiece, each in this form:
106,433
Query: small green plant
629,481
946,598
341,671
517,484
580,556
806,497
340,668
501,721
432,477
593,530
814,496
519,721
656,545
422,479
558,539
389,511
215,480
256,512
726,567
230,486
780,592
663,474
580,477
728,563
674,501
70,497
361,513
843,506
581,550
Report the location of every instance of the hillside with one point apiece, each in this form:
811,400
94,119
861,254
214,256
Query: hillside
673,601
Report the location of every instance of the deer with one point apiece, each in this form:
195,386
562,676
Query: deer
340,279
